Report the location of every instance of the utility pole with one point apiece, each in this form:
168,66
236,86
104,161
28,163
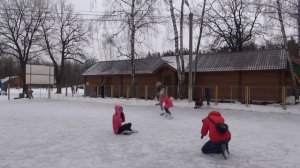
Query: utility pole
191,58
298,20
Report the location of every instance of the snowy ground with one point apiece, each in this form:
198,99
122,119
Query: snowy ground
76,132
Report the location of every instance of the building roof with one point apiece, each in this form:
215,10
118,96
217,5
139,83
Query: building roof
171,60
119,67
243,61
4,80
239,61
296,60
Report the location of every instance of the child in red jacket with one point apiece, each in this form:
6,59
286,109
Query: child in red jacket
199,103
218,142
117,120
167,103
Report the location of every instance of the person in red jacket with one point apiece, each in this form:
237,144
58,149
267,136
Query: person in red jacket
218,142
117,120
166,102
199,103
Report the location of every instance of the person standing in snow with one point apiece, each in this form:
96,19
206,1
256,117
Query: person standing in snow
207,96
218,142
160,88
118,119
166,103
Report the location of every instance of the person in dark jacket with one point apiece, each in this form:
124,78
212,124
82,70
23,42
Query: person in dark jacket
218,143
207,96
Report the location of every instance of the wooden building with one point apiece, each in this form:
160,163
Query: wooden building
230,76
113,78
14,81
261,75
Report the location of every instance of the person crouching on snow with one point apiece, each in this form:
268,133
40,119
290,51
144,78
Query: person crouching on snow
166,102
117,120
199,103
218,142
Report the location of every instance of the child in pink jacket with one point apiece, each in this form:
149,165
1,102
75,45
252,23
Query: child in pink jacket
117,120
167,102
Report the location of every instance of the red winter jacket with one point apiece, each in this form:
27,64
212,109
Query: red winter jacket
214,135
165,99
118,118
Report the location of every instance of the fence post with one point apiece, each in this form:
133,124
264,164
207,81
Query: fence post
112,91
231,94
128,92
283,99
8,90
249,95
97,91
216,102
146,92
166,89
246,95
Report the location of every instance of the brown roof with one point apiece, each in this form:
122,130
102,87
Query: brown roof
296,60
243,61
143,66
240,61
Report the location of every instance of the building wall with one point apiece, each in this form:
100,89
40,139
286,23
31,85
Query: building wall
14,82
263,85
119,85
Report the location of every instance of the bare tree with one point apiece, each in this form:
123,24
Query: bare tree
233,22
280,19
20,21
134,18
201,25
65,36
181,45
178,52
298,21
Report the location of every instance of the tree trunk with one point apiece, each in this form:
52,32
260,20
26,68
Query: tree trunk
298,20
58,78
181,51
132,49
286,46
199,41
23,75
179,75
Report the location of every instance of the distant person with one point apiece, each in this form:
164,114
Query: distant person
102,90
199,103
72,89
30,95
160,88
76,88
207,96
218,141
166,103
118,119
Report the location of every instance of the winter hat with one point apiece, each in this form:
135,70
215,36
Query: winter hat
157,84
161,93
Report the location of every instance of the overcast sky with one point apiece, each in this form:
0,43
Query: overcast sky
161,41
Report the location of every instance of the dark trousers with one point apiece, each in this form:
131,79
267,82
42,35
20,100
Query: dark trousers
208,102
124,127
167,110
213,147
